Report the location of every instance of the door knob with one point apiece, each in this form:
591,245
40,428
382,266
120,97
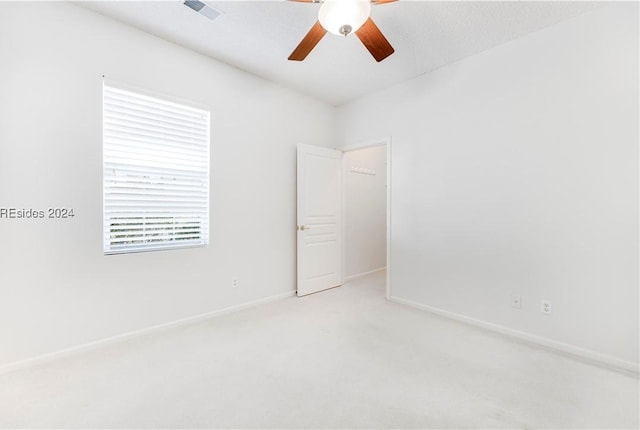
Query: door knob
303,228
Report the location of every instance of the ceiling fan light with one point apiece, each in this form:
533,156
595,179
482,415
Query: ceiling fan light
343,17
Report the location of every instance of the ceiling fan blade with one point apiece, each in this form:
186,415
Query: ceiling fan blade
373,39
308,43
320,1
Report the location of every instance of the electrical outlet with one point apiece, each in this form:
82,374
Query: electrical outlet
516,301
234,282
546,307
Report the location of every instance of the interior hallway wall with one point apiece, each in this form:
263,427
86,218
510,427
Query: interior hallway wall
365,210
515,171
57,289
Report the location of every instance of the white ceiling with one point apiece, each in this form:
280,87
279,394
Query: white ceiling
258,36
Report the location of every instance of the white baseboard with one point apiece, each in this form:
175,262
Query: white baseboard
40,359
359,275
565,348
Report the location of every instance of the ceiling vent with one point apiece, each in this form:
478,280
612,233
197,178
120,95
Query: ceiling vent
203,9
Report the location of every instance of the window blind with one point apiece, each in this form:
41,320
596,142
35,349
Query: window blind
156,173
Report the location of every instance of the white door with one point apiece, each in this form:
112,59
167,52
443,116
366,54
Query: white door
319,219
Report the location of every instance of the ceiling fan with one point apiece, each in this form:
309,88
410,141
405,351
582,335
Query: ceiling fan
343,17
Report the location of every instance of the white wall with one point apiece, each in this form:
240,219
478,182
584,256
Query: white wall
516,172
365,210
57,290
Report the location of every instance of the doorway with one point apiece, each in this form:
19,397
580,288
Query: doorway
343,214
367,200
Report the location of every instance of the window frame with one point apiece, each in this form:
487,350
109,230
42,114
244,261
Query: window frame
204,221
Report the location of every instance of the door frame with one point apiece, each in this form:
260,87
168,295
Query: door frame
384,140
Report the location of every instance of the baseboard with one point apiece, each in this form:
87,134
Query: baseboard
539,341
359,275
40,359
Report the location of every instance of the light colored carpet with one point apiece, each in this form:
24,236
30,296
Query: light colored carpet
342,358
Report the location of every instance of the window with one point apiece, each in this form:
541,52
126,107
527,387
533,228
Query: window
156,173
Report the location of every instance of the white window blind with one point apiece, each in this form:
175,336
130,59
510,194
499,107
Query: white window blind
156,173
